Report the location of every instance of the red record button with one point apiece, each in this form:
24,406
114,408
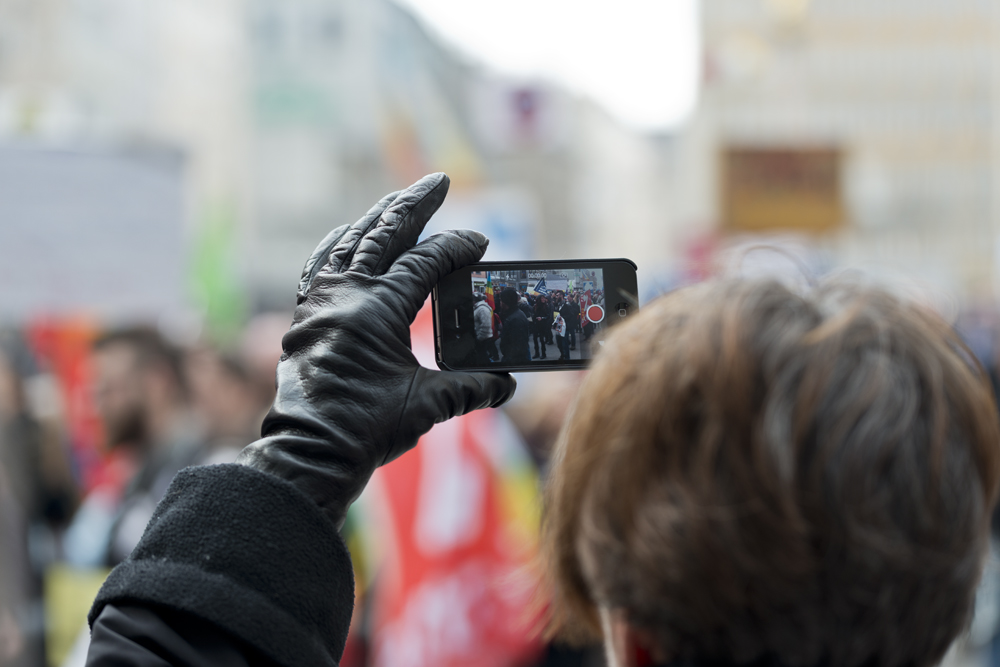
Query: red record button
595,313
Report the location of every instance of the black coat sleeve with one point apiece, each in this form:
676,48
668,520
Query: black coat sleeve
235,564
158,637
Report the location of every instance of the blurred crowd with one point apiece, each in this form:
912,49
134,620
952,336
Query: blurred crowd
73,502
72,505
159,407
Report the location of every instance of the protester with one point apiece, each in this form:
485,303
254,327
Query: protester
571,313
526,306
547,326
486,350
514,337
541,319
559,330
226,400
749,476
142,398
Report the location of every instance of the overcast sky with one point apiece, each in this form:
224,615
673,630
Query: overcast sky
639,58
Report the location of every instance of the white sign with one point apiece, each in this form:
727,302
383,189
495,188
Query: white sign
90,232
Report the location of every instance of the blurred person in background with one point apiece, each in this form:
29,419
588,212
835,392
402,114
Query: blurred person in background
16,647
227,402
37,462
37,493
142,398
260,351
979,328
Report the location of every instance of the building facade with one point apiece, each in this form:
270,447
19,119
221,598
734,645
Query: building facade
897,98
295,116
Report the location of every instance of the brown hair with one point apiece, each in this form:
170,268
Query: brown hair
151,351
748,472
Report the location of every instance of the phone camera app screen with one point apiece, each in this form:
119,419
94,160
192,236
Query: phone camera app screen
537,315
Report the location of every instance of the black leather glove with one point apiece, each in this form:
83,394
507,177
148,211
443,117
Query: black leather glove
351,396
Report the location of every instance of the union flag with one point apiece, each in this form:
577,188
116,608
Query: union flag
457,524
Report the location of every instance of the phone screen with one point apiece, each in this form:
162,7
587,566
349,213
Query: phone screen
530,315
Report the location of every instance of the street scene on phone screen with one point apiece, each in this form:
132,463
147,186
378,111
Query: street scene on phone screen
537,315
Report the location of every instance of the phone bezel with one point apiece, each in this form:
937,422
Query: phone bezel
454,292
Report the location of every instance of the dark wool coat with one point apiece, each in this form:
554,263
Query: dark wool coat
236,567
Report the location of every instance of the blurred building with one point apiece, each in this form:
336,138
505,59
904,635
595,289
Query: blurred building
295,116
348,100
869,127
354,98
104,81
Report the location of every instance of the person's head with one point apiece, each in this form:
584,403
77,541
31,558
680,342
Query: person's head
139,382
260,350
508,299
478,298
223,393
749,473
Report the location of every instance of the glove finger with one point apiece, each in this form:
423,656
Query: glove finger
318,260
342,253
400,225
437,396
419,269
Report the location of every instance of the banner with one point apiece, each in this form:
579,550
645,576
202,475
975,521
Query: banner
540,288
458,524
782,188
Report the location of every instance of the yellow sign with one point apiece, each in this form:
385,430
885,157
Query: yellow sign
69,592
773,189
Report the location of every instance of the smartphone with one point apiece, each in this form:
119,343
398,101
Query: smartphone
539,315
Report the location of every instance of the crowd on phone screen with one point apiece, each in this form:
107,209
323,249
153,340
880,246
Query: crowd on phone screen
529,326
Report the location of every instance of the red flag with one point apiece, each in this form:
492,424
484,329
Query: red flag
63,346
453,588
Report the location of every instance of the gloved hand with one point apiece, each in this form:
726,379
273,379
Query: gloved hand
350,394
